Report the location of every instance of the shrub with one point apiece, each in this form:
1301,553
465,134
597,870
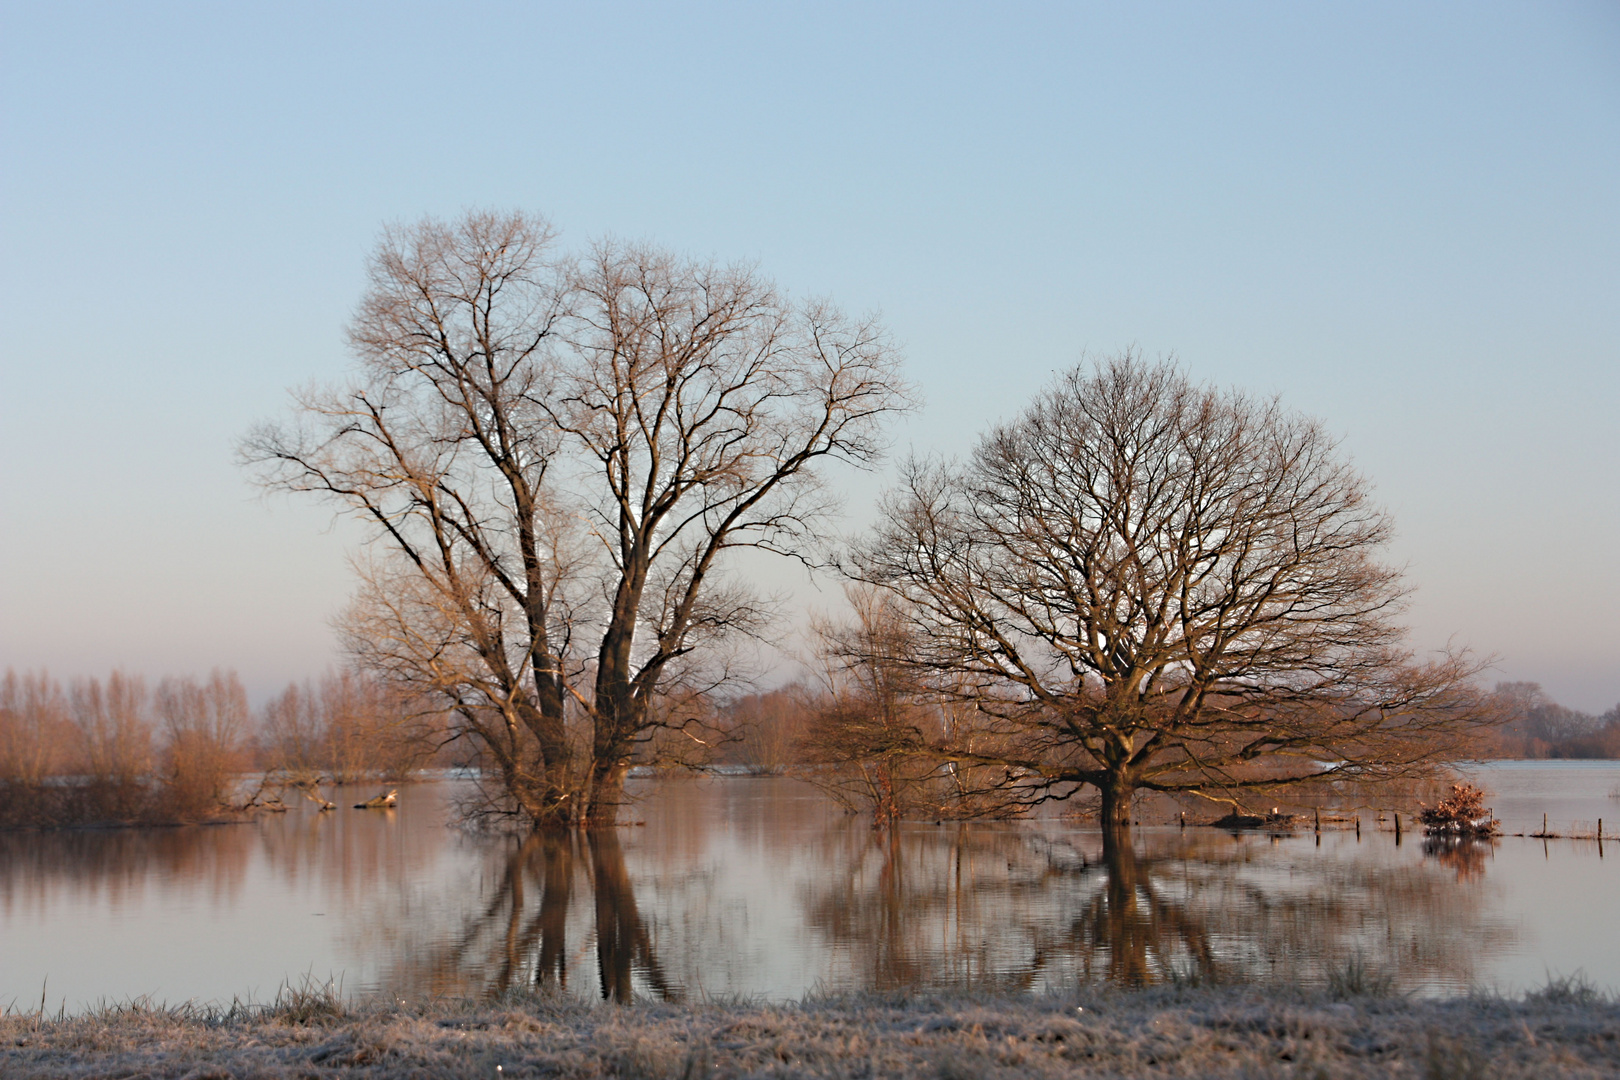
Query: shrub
1463,813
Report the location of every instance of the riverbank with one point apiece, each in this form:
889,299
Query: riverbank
1565,1030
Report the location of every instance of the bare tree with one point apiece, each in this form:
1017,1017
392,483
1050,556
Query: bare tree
115,728
873,732
701,402
864,732
205,729
877,731
510,409
1142,583
763,730
292,732
36,736
442,443
347,727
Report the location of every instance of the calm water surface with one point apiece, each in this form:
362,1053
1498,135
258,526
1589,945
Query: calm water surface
760,887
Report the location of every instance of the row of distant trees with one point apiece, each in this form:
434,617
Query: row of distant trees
1535,726
807,724
118,750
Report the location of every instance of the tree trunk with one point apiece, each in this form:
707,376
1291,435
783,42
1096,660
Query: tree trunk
548,723
618,714
607,790
1115,817
547,799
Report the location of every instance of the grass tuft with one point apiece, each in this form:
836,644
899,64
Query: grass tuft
1356,979
309,1003
1574,989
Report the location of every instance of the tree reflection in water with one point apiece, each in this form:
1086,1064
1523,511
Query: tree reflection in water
40,871
1002,908
753,887
1139,930
622,942
1464,854
528,932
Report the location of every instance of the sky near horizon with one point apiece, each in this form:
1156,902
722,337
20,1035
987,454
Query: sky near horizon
1402,219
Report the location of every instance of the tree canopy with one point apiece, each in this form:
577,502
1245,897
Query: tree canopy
1144,583
557,455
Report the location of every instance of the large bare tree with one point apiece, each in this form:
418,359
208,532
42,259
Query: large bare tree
700,402
441,442
1143,583
554,450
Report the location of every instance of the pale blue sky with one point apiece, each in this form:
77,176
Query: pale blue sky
1403,218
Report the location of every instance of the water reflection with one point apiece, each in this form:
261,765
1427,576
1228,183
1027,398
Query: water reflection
1464,854
989,907
757,887
623,945
1139,931
42,870
529,930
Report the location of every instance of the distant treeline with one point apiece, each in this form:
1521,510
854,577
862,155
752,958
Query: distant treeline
117,751
1539,727
779,729
111,751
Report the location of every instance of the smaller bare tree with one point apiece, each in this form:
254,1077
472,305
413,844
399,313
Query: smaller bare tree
876,727
115,729
764,729
36,736
205,726
349,726
1142,583
291,731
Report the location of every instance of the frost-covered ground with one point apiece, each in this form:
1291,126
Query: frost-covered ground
1563,1031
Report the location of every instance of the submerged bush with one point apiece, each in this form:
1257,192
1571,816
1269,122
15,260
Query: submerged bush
1463,813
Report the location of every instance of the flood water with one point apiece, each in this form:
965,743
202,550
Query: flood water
763,888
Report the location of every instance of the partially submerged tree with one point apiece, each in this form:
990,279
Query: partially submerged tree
441,443
117,732
551,451
205,728
875,725
700,402
1142,583
866,725
761,732
1462,813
